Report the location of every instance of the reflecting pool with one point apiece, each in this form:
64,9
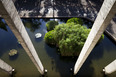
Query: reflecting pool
57,66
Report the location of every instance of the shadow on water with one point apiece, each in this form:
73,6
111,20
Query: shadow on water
87,70
12,58
3,24
60,64
39,39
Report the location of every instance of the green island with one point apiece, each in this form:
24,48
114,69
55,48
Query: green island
69,37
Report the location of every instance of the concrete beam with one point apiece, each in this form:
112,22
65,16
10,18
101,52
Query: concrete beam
110,68
104,17
4,66
10,14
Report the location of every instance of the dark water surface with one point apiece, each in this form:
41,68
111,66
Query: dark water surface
57,66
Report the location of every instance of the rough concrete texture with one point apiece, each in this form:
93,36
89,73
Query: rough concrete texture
4,66
104,17
10,14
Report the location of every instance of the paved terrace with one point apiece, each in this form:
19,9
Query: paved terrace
58,8
63,8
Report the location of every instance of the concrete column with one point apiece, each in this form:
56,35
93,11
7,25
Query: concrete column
10,14
104,17
4,66
110,68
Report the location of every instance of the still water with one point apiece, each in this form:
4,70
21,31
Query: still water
57,66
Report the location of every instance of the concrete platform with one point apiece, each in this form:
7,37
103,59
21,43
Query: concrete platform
58,8
63,8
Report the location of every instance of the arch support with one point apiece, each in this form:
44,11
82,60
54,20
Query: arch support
110,68
6,67
10,14
104,17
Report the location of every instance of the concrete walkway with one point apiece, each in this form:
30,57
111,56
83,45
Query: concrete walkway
63,8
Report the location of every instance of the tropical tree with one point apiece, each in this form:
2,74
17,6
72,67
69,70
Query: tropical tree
49,38
75,20
70,38
51,25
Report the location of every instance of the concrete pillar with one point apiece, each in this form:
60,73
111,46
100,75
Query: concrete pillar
10,14
104,17
110,68
4,66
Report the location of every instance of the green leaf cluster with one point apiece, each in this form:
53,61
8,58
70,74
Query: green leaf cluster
75,20
49,38
70,38
51,25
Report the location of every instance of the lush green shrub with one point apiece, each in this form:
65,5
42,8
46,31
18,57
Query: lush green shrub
49,37
70,38
51,25
75,20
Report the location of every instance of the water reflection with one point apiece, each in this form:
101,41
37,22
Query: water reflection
3,25
7,39
12,58
39,39
32,24
57,66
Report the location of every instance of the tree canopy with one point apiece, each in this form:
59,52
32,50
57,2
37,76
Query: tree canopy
75,20
49,38
51,25
69,37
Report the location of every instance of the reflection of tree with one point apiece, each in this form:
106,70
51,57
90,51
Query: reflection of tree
64,20
32,24
3,25
46,19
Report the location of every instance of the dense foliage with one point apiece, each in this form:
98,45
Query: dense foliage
75,20
49,37
51,25
70,38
